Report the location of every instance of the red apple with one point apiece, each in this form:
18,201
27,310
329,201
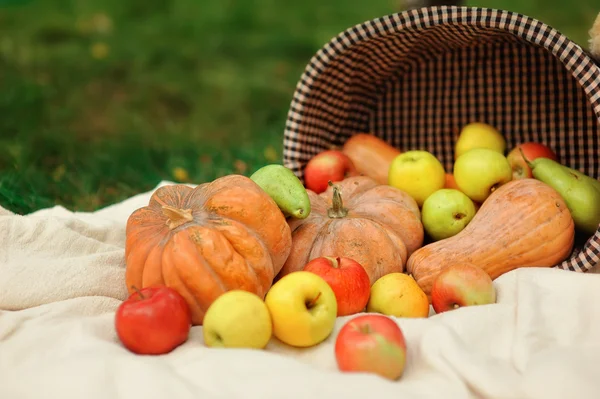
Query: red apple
153,321
328,165
348,280
532,151
371,343
461,285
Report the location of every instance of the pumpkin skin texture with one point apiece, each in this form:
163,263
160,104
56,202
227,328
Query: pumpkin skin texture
377,225
203,241
524,223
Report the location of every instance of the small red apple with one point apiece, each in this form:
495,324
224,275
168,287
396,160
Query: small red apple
459,285
371,343
328,165
348,280
532,151
153,321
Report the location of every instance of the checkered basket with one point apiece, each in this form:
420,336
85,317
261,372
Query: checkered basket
416,77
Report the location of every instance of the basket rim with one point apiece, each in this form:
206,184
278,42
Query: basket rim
574,58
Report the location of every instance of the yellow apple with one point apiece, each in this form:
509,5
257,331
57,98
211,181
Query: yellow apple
398,294
479,135
237,319
303,309
418,173
480,171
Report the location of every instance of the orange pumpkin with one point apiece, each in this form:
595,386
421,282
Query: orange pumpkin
203,241
377,225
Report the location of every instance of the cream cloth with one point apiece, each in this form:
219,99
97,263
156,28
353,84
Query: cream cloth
62,278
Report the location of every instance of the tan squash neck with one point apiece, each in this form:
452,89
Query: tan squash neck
337,209
176,217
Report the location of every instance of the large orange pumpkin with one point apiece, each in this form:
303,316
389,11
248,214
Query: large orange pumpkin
377,225
203,241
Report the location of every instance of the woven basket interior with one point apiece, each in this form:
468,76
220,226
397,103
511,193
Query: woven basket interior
418,92
417,78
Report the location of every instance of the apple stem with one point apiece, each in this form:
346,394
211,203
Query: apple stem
313,301
138,292
527,161
365,329
337,209
459,216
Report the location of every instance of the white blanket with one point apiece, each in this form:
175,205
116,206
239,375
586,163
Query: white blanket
62,278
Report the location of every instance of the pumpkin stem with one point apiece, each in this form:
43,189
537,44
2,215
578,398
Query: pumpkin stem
176,217
337,209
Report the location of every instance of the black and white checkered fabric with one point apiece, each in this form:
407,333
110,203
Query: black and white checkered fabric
415,78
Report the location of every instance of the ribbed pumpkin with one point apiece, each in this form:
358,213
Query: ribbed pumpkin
203,241
523,223
377,225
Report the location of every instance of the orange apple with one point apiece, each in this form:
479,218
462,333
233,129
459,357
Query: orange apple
532,151
348,280
450,182
460,285
371,343
330,165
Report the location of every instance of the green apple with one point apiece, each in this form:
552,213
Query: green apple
480,171
418,173
303,308
479,135
237,319
446,213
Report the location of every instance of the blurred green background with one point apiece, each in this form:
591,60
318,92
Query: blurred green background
102,100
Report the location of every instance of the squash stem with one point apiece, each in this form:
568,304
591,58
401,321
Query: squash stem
176,217
337,209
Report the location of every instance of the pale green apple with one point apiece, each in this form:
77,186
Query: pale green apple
446,213
303,308
480,171
237,319
417,173
479,135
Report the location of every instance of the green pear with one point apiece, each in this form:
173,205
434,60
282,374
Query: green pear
580,192
284,187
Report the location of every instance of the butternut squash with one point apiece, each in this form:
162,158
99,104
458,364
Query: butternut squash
523,223
370,155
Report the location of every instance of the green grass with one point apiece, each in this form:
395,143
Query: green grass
100,102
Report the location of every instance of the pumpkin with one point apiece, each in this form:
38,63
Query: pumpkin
203,241
370,155
522,223
377,225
